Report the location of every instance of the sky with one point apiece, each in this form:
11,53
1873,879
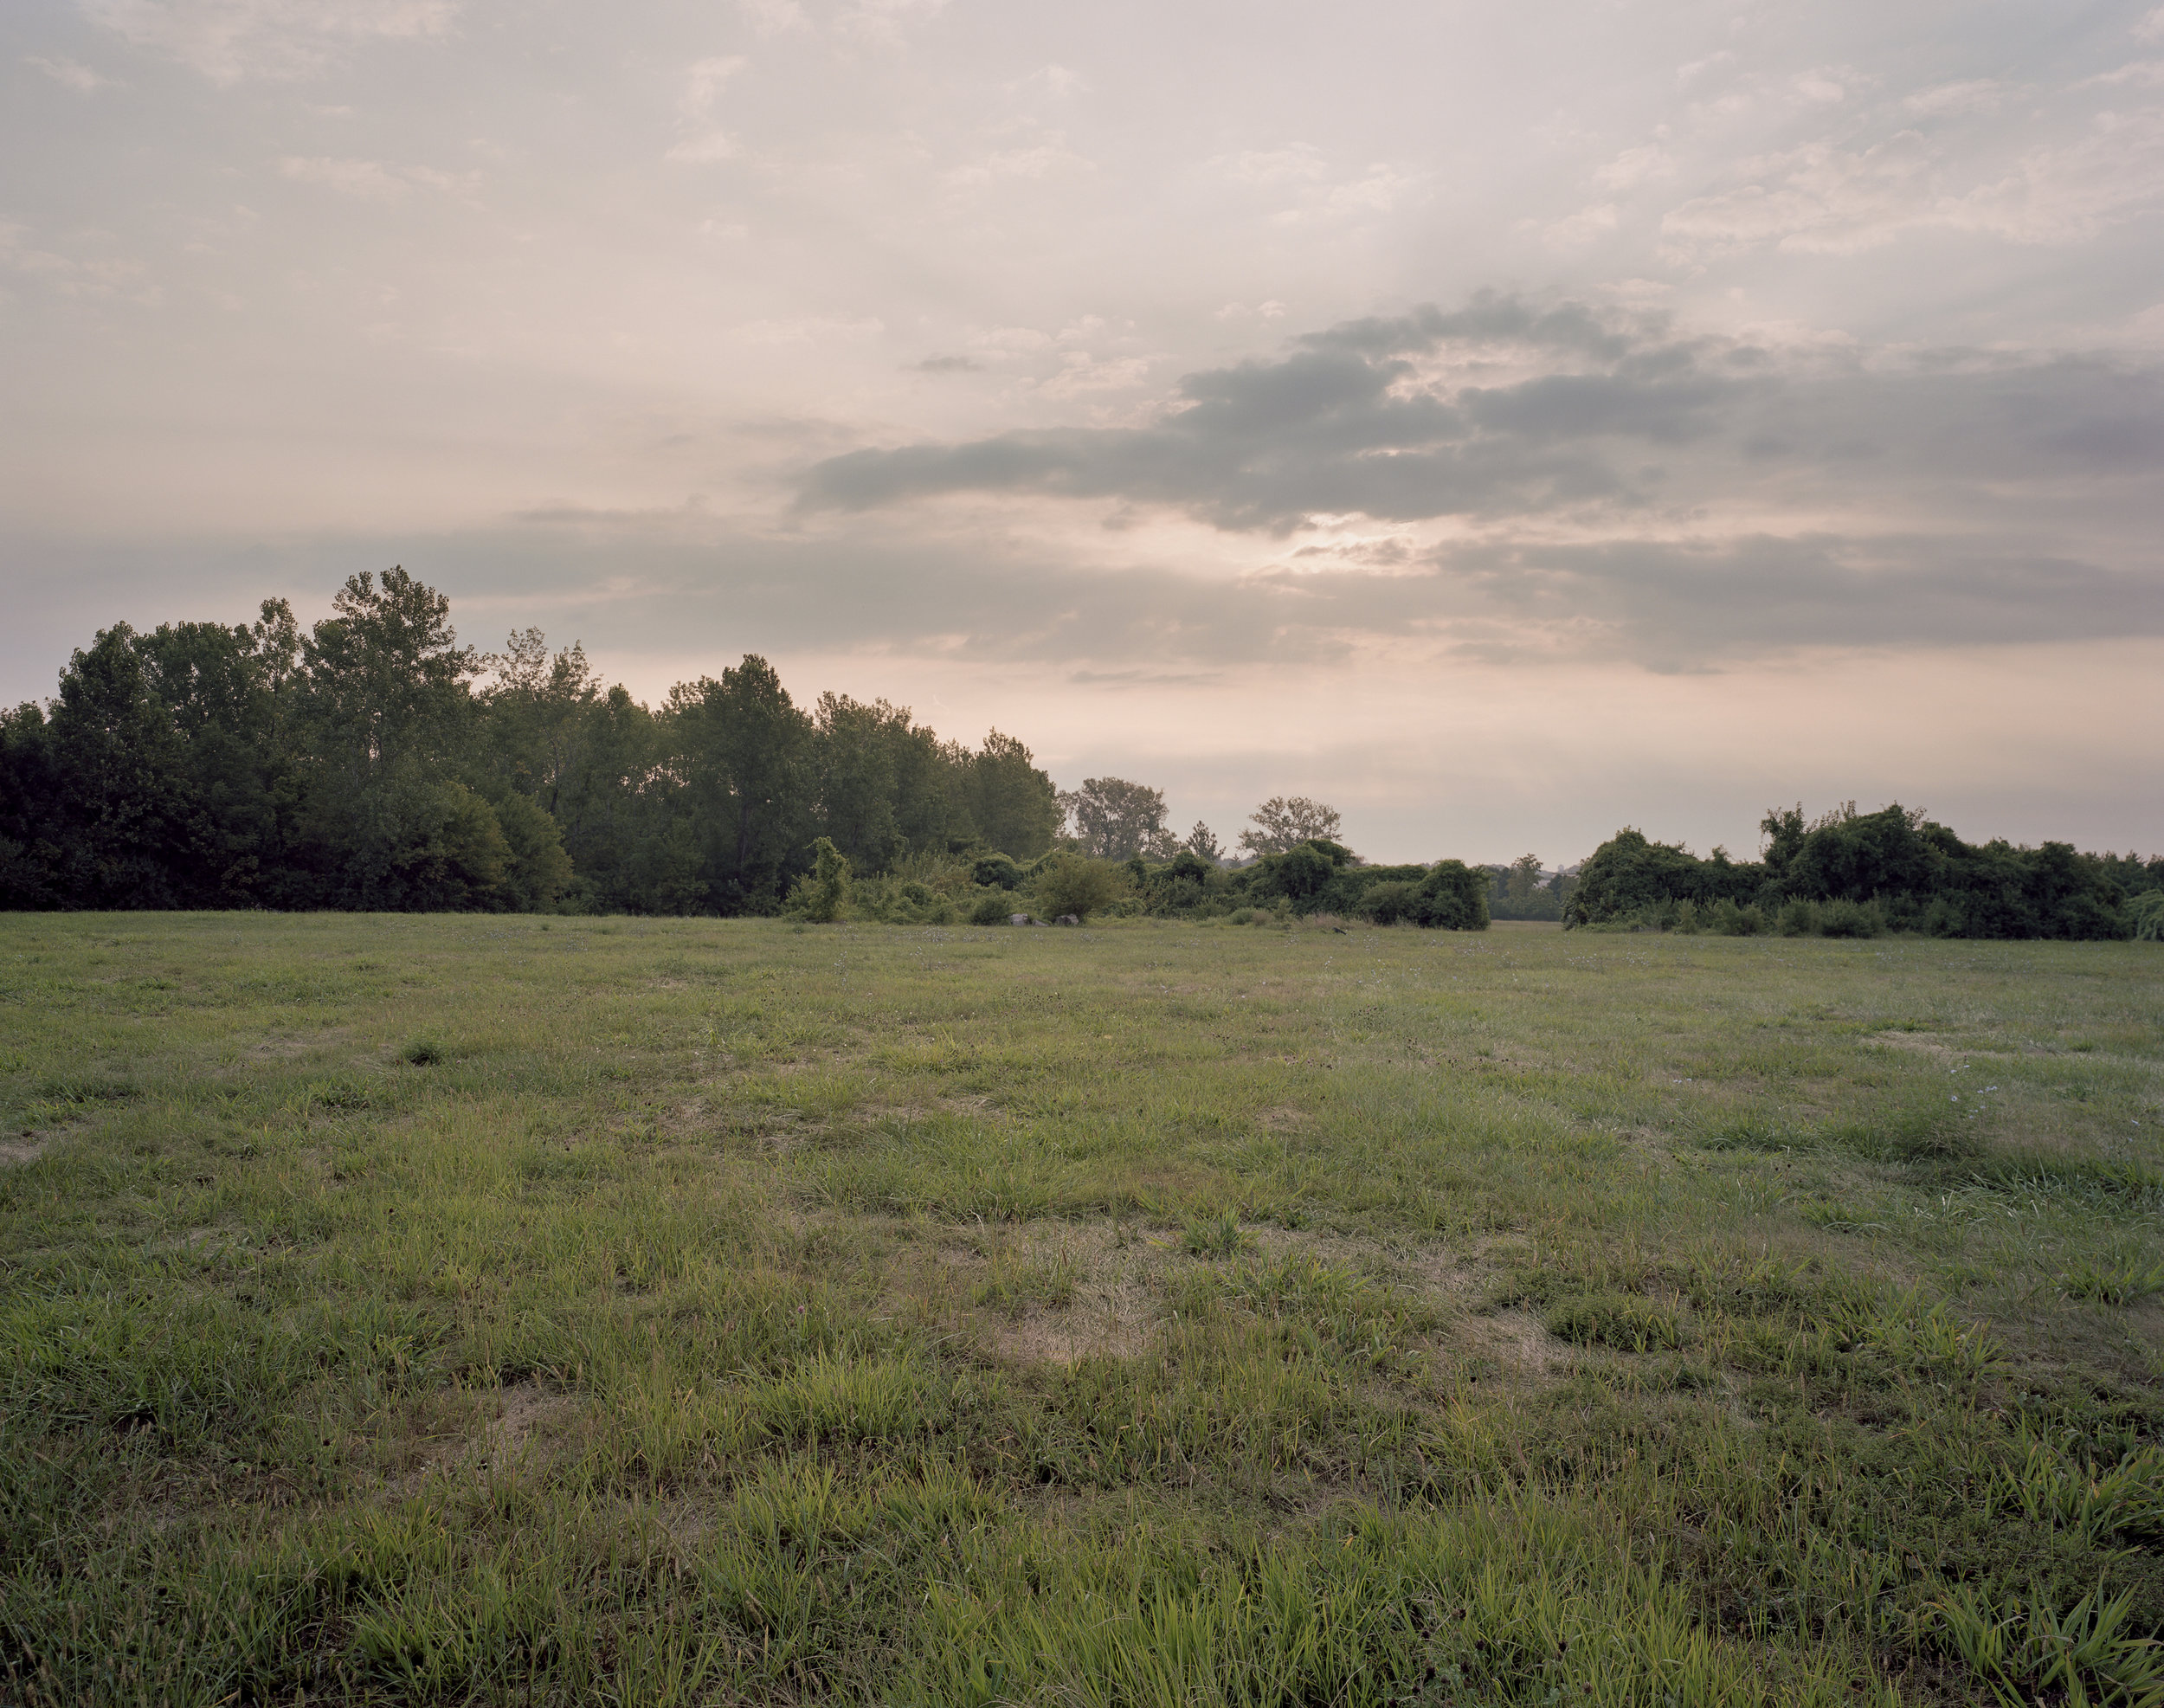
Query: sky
1502,422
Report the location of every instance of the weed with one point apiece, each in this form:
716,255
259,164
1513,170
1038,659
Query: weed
1628,1323
2116,1280
1219,1235
422,1052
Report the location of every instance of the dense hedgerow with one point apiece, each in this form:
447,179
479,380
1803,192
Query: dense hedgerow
1860,874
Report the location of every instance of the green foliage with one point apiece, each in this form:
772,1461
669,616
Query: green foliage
1454,897
373,762
1012,804
1862,874
2146,912
995,870
1623,1321
1219,1235
995,909
1396,902
1281,824
1112,818
1300,874
2024,1652
822,895
1068,884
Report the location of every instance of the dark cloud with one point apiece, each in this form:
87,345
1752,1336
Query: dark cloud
1673,605
948,364
1503,409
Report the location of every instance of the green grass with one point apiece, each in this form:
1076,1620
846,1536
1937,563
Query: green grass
524,1311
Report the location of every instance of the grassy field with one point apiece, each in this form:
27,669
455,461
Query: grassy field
537,1310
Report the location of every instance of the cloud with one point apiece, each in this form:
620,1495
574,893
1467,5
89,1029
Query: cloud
229,40
810,330
1825,198
1588,225
948,364
69,74
85,276
1634,166
1080,372
1984,94
881,22
700,140
372,180
1683,604
1820,198
1009,164
1663,603
774,17
1571,443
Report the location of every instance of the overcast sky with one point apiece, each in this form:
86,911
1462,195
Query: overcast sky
1504,421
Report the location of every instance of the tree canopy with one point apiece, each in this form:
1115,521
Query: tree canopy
371,760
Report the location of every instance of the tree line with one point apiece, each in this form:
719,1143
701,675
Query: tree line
370,761
1848,874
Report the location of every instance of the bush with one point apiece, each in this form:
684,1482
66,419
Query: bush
1730,920
992,910
2146,912
1848,918
1799,918
1451,897
1393,903
1298,874
1456,897
1070,884
1686,918
995,871
822,893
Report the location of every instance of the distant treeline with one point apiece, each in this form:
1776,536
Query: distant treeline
1859,874
372,762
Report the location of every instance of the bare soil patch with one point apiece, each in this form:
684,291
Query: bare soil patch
27,1148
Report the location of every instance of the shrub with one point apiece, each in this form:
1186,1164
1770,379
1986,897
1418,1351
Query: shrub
1389,903
1297,874
1848,918
992,910
1070,884
1686,918
995,871
1730,920
1799,918
2146,912
1456,897
822,893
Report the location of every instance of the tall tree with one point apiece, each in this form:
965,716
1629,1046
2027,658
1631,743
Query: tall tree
126,813
1012,805
741,749
1115,819
1282,822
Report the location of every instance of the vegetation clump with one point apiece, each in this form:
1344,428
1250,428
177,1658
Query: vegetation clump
1862,875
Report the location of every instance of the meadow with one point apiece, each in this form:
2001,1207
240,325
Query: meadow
527,1309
